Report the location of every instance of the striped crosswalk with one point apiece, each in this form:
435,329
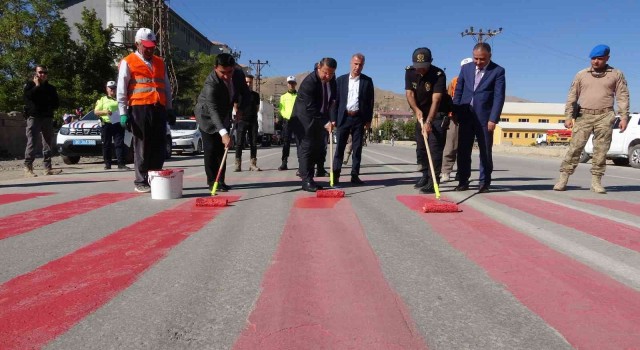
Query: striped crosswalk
282,269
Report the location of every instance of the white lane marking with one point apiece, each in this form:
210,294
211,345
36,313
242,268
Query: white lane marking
262,156
409,162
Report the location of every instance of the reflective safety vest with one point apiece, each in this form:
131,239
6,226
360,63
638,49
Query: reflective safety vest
287,100
146,87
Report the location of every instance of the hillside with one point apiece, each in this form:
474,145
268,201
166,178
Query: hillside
275,86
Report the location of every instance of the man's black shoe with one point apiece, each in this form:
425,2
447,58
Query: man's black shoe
421,182
356,180
462,187
483,189
428,188
283,166
321,173
310,186
223,187
107,166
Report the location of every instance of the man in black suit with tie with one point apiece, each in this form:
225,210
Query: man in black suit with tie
213,113
310,118
352,113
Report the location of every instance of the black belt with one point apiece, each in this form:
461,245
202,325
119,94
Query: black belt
596,111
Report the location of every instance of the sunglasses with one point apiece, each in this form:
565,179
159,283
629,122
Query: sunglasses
43,72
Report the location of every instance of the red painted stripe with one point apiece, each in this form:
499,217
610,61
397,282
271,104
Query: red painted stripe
611,231
38,306
17,197
627,207
590,309
325,290
23,222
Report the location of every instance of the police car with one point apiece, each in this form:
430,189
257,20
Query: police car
185,136
82,139
625,146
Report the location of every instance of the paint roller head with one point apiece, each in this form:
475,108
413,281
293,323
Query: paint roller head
211,202
438,206
329,194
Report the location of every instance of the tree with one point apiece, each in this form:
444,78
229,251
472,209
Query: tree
31,32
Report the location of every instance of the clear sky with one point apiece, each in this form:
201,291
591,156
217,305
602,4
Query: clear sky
544,43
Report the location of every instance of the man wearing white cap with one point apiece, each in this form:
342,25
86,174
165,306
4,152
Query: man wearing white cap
285,107
451,146
112,131
144,101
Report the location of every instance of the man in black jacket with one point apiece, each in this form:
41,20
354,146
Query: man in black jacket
41,99
247,123
310,118
213,113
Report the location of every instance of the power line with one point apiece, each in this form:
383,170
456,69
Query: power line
479,35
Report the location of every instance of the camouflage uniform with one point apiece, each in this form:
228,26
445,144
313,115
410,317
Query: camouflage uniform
594,97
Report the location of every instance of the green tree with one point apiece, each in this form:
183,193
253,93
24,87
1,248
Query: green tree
94,61
409,129
31,32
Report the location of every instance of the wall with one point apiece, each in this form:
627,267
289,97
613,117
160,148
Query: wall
12,135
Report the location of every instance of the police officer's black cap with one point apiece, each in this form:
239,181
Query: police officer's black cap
422,58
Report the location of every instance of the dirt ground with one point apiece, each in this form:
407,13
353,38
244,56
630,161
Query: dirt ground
13,168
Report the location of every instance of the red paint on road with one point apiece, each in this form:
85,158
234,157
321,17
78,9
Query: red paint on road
24,222
325,290
590,309
317,203
627,207
611,231
17,197
40,305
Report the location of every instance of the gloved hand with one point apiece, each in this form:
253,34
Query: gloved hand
123,119
171,117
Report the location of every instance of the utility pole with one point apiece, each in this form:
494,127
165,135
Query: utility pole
480,34
258,67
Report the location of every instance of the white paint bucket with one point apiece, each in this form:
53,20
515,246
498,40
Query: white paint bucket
166,183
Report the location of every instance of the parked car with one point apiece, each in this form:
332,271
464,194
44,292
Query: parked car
186,137
625,146
83,139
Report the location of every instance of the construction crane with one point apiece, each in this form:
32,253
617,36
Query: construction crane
154,14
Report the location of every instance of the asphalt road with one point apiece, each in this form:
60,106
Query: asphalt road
86,263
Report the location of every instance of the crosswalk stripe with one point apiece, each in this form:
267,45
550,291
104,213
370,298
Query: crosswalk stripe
611,231
591,310
325,288
40,305
17,197
24,222
624,206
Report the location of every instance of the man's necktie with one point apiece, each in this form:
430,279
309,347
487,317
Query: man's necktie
478,78
325,98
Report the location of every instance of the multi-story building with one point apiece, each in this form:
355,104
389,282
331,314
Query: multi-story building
183,37
522,122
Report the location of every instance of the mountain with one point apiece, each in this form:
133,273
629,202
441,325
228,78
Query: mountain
385,99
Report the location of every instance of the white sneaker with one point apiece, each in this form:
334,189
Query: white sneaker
444,177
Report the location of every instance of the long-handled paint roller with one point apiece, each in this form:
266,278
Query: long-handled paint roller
333,193
437,206
215,202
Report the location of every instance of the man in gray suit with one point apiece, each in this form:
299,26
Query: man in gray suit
213,113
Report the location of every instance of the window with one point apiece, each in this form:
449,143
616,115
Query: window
510,135
504,135
526,135
506,120
518,135
523,120
543,121
561,121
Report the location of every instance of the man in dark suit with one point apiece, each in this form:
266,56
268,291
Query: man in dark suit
352,113
478,101
213,113
310,118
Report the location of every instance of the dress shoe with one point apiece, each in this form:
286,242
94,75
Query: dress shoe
321,173
421,182
483,189
310,186
463,186
223,187
427,189
356,180
445,177
107,166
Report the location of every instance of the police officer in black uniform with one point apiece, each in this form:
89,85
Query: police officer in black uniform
426,91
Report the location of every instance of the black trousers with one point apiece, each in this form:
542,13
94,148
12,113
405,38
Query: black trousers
243,128
286,138
437,139
311,149
149,127
112,137
213,153
354,126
